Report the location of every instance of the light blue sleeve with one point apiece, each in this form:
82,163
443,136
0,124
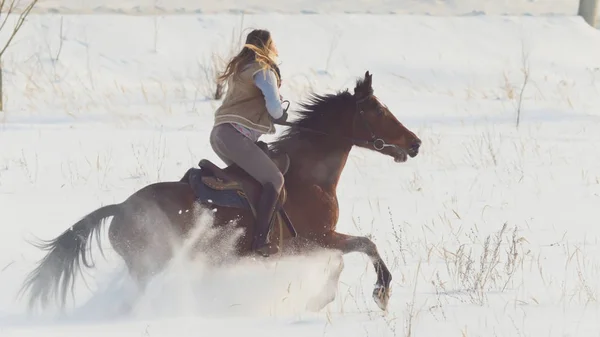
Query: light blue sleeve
267,83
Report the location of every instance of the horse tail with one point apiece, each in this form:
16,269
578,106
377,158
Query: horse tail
55,272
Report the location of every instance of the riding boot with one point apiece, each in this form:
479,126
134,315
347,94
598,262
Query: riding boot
265,211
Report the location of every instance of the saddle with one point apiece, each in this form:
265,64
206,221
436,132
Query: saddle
234,178
232,186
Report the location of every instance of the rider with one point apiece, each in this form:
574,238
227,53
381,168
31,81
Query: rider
250,106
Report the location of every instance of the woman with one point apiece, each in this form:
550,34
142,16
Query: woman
251,103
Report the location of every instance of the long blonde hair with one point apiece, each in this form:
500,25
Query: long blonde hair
257,48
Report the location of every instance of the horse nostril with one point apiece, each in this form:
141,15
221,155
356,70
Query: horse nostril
416,145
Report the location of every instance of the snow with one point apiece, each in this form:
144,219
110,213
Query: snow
430,7
124,103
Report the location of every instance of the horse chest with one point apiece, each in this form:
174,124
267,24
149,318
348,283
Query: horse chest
319,209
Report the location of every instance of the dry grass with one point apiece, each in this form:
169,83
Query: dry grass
516,93
213,67
8,8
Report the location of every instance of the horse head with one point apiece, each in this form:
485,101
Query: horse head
381,130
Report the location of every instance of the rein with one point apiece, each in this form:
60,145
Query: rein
377,143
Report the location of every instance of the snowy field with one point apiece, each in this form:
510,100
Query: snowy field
491,231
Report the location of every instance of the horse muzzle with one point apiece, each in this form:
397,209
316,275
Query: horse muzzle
413,150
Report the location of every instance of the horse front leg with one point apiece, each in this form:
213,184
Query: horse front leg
350,244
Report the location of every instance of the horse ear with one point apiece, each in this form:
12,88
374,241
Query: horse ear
368,79
364,87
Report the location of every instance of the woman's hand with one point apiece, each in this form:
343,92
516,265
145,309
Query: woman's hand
281,120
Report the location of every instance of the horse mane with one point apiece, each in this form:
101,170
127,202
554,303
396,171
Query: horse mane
311,115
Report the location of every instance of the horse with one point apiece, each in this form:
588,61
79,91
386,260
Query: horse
311,154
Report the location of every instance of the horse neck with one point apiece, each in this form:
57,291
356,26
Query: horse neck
319,162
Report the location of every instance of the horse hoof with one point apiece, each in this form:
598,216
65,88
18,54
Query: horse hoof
381,295
267,250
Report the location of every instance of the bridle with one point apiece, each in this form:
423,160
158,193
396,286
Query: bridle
377,142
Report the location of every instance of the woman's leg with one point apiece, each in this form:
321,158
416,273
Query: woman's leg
214,134
233,147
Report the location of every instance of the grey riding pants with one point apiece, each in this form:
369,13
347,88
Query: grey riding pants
233,147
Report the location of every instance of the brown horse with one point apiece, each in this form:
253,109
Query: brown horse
311,154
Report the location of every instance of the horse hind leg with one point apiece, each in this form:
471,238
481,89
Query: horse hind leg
133,246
